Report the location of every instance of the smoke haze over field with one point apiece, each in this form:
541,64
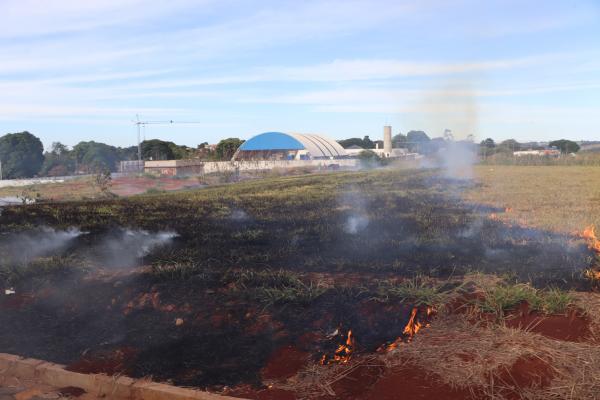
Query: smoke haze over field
457,160
357,218
458,111
118,248
125,247
26,246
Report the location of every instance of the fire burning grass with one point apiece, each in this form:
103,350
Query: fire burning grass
589,234
299,286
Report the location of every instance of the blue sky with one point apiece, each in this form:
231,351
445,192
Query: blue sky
81,70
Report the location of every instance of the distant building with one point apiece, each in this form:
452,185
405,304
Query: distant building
131,166
537,153
289,146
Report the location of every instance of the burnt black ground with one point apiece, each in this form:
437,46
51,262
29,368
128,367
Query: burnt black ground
370,225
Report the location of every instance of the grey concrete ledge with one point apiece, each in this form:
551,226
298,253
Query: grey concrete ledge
111,387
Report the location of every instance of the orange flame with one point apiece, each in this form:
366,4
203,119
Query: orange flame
589,234
412,327
343,353
592,274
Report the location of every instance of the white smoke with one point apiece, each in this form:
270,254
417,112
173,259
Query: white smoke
356,223
239,215
457,160
125,247
26,246
357,219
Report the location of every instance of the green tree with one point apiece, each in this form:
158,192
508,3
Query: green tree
508,146
94,157
227,147
369,158
399,141
21,155
127,153
181,152
418,141
489,143
345,143
365,143
565,146
59,161
368,143
156,149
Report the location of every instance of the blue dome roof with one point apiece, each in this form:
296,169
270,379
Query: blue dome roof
272,141
314,146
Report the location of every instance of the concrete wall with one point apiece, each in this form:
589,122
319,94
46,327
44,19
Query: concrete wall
193,167
35,181
97,385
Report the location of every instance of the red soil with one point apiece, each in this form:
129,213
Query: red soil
572,327
369,382
16,301
284,363
526,372
412,383
357,384
128,186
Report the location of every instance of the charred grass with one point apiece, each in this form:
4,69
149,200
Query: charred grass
291,262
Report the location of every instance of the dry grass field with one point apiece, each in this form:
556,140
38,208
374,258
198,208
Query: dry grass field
85,188
560,198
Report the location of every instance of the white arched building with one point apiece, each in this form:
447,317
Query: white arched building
289,146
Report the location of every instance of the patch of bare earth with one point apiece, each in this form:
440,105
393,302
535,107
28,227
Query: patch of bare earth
455,359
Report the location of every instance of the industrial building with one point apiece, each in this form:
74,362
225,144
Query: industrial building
273,150
289,146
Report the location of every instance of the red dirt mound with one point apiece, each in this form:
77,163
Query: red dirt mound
284,362
526,372
572,327
357,383
413,383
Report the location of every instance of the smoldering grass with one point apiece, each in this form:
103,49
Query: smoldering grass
170,256
418,291
302,294
183,272
274,287
43,268
247,278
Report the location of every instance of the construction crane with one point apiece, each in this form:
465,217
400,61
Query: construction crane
143,124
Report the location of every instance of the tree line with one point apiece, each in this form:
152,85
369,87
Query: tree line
22,155
413,141
489,147
420,142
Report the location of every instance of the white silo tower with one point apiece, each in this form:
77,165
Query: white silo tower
387,140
